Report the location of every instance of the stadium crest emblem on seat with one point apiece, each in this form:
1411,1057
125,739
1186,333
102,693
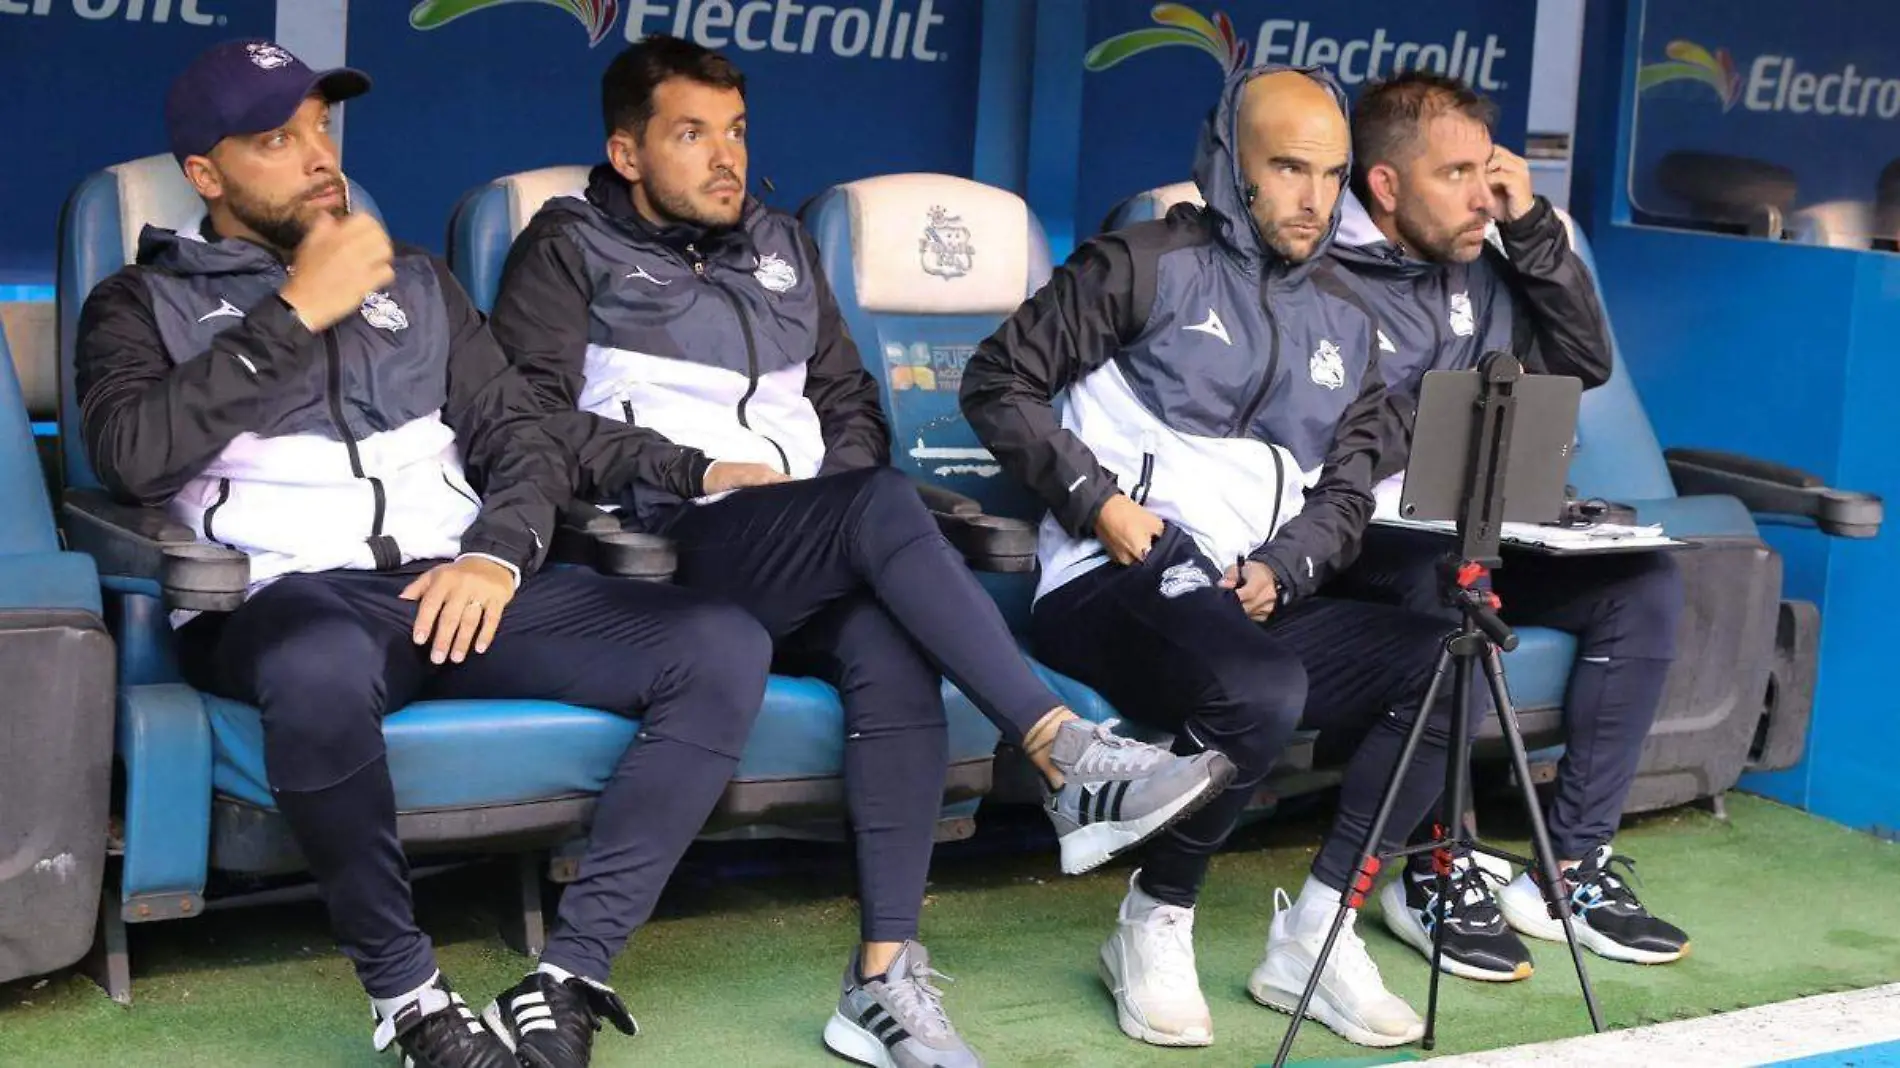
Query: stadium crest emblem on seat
945,248
775,274
381,312
1326,366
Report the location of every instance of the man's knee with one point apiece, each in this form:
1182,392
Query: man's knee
717,659
1646,608
1255,707
885,680
886,503
322,695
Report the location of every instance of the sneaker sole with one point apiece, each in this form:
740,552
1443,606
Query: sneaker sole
1413,935
1132,1025
1321,1012
1541,926
854,1043
1087,848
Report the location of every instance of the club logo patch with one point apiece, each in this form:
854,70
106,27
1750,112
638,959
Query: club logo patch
381,312
1463,323
1183,578
775,274
1326,367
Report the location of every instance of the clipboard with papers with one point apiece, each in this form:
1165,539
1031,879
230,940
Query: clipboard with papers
1550,539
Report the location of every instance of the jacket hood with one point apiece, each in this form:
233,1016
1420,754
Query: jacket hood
202,252
1217,172
1365,247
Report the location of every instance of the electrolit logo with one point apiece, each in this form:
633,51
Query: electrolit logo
875,29
154,11
1467,55
1775,83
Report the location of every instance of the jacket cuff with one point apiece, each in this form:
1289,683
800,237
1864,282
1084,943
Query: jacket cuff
697,464
1286,574
1078,513
1531,223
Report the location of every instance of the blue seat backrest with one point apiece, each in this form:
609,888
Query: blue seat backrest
26,523
98,234
1618,456
926,266
488,219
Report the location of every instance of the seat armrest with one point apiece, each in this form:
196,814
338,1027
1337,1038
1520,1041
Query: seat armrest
946,502
1776,489
145,544
988,542
591,537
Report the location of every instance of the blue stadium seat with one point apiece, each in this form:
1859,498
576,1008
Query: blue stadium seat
795,758
1741,691
56,733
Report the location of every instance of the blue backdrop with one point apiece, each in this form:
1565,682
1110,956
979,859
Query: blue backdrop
1151,71
835,92
1813,86
84,93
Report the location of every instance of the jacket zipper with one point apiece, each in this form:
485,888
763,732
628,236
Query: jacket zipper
334,360
1273,364
751,356
626,411
224,494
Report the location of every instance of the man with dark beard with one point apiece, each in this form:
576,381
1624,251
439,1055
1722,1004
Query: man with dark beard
693,326
1429,183
289,384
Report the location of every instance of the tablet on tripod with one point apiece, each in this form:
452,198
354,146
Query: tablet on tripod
1444,477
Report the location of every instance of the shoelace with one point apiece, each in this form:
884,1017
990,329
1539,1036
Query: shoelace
1350,960
1168,947
1602,887
1470,895
919,1005
1112,755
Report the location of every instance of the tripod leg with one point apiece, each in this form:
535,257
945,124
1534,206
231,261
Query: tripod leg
1452,804
1540,836
1369,864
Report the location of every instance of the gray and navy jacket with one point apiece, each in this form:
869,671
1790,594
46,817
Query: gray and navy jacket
690,345
358,448
1228,391
1533,297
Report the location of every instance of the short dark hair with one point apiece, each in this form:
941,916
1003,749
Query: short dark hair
1390,116
626,90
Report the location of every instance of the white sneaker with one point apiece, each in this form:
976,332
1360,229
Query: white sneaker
1351,998
1148,964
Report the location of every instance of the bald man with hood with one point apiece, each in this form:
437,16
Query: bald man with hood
1210,458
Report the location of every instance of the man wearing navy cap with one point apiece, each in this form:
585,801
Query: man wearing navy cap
291,385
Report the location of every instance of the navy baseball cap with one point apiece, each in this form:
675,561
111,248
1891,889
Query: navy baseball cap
246,87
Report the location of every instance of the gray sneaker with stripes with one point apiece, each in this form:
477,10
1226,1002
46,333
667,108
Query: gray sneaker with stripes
1118,792
897,1021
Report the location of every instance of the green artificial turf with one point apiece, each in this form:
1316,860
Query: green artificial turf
742,969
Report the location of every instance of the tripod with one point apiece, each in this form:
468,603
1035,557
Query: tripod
1477,641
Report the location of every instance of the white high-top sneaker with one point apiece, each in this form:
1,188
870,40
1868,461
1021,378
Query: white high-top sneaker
1148,964
1351,998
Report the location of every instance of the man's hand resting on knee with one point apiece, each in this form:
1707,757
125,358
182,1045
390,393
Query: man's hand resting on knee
461,603
724,475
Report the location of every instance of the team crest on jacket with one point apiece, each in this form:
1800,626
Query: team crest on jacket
1326,366
1462,321
381,312
1183,578
945,247
775,274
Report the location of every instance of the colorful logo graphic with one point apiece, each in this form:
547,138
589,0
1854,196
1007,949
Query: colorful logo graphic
1689,61
1179,25
597,15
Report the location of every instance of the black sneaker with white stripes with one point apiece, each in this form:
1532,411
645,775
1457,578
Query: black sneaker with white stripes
550,1023
439,1030
897,1020
1478,943
1608,919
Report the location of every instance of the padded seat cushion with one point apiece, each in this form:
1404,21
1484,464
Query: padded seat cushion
443,754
